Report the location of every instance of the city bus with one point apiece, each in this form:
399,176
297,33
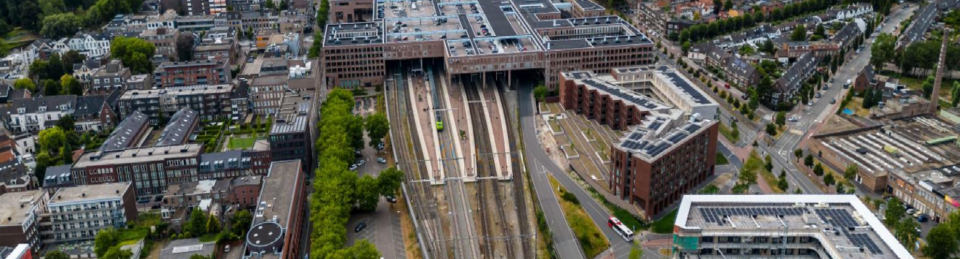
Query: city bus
620,228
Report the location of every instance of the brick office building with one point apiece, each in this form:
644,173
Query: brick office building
277,223
20,217
200,72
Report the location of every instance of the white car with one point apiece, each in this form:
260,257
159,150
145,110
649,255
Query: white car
794,118
381,160
353,167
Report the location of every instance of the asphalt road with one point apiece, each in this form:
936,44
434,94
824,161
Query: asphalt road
540,165
564,241
812,116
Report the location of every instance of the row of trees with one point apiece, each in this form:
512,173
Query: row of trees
748,20
60,20
337,189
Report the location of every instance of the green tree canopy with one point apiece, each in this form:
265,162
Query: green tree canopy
25,83
799,33
52,139
894,212
389,181
134,53
882,50
56,254
61,25
377,127
117,253
105,239
70,85
941,243
368,193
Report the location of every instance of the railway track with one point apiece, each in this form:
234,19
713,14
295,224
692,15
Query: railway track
425,202
485,187
518,178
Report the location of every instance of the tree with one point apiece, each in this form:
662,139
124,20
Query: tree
771,129
213,225
717,5
283,5
377,127
38,70
56,254
197,224
799,33
185,47
25,83
104,240
70,85
52,139
894,212
798,153
54,67
66,123
269,4
134,53
928,87
768,162
851,172
117,253
685,47
241,222
808,161
727,5
829,180
540,92
69,58
368,193
955,94
200,256
389,181
941,243
906,231
781,118
363,249
783,184
882,50
820,31
60,25
818,169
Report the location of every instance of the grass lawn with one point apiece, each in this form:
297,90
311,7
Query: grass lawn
592,241
19,38
208,238
241,143
856,104
709,189
665,225
570,151
555,125
722,160
727,132
601,150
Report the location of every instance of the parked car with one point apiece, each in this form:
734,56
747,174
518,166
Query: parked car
817,95
391,199
381,160
360,227
911,211
353,167
226,249
922,218
833,101
361,162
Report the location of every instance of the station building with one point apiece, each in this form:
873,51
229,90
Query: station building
474,37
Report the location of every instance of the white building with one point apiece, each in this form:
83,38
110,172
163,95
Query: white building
78,213
38,113
781,226
91,45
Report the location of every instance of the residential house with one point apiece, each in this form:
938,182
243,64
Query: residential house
110,77
92,45
792,79
164,39
37,113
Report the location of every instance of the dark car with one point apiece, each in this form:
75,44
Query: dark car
922,218
360,227
392,199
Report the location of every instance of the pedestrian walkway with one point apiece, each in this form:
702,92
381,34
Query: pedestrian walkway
456,111
498,129
422,98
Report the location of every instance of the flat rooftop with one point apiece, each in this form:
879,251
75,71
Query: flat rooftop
10,211
656,135
138,155
842,223
179,90
399,21
276,190
89,193
908,146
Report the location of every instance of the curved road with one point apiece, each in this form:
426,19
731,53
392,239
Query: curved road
539,164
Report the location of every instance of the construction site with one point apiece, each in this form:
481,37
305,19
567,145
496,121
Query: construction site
454,141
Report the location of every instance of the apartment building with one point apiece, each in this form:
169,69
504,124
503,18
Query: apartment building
92,45
112,76
792,79
350,11
20,218
79,213
200,72
140,82
164,39
671,125
212,102
785,226
266,92
150,169
225,50
128,133
796,49
37,113
277,224
291,131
